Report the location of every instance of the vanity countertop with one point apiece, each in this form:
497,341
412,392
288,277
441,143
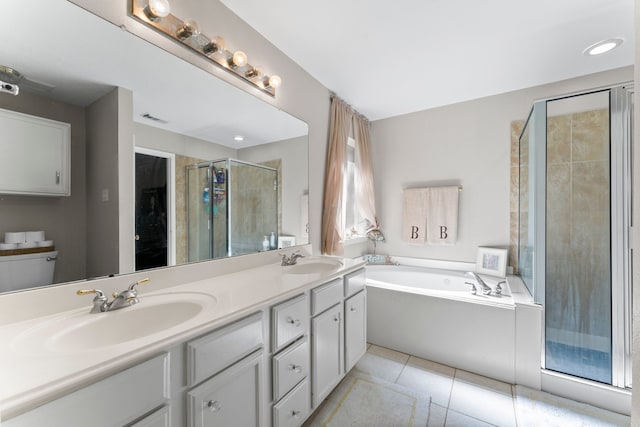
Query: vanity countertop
31,376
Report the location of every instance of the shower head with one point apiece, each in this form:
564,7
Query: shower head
9,79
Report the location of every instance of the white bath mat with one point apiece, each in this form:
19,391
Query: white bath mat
361,400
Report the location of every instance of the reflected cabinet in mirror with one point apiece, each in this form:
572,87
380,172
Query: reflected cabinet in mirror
168,164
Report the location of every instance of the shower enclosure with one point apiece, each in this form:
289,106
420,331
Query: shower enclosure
231,206
574,227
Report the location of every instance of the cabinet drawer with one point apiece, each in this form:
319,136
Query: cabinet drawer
289,368
326,296
354,282
212,353
289,321
231,398
294,408
116,400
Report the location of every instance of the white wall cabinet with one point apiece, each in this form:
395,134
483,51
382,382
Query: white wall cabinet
35,155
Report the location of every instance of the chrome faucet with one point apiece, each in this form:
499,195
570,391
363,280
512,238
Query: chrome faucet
292,259
122,299
486,290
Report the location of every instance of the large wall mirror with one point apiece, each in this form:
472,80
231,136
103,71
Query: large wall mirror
155,142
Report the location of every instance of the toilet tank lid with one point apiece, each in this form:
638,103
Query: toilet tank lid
28,256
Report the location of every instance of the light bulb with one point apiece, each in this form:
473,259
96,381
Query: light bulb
157,9
189,28
240,58
275,81
216,44
254,73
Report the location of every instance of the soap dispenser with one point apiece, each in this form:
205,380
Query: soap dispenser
265,244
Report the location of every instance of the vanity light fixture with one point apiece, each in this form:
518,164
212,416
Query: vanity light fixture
603,46
156,14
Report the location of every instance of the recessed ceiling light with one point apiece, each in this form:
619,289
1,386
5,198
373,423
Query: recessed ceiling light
238,138
603,46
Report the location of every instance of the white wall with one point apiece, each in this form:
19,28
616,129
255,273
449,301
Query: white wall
467,144
171,142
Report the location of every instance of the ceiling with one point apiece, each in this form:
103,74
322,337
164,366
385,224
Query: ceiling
77,58
390,58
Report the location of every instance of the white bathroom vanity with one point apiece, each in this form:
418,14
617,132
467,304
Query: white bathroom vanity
257,344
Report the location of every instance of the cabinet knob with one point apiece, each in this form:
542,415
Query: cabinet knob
352,308
214,405
295,322
336,319
296,368
296,414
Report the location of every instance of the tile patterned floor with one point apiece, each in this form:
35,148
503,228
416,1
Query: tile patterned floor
463,399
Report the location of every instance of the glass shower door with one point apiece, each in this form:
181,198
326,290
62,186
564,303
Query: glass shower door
574,228
578,322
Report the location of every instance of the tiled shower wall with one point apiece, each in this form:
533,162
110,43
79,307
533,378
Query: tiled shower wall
578,204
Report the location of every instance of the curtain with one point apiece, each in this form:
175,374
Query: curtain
332,227
365,195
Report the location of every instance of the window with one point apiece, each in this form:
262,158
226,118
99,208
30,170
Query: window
355,225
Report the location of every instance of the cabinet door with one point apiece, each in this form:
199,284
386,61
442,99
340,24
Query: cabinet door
35,154
327,349
355,329
234,397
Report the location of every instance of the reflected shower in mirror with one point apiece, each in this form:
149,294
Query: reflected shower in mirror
125,99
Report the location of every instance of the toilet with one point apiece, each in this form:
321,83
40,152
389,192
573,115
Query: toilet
26,271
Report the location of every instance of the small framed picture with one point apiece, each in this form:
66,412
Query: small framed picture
492,261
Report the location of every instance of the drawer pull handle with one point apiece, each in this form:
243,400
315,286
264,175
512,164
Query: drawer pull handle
296,414
295,322
214,406
296,368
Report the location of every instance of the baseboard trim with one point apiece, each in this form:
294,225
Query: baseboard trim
596,394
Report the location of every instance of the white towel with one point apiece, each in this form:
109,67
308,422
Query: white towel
442,215
414,215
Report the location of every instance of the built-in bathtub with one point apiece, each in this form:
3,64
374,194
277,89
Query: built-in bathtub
431,313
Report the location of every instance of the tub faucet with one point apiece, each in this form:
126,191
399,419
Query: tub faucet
122,299
486,290
290,260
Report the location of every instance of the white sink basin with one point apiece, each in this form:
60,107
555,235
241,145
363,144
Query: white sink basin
313,266
86,331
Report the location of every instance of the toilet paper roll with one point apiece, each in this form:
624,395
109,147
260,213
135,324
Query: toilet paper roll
8,246
45,243
14,237
34,236
27,245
